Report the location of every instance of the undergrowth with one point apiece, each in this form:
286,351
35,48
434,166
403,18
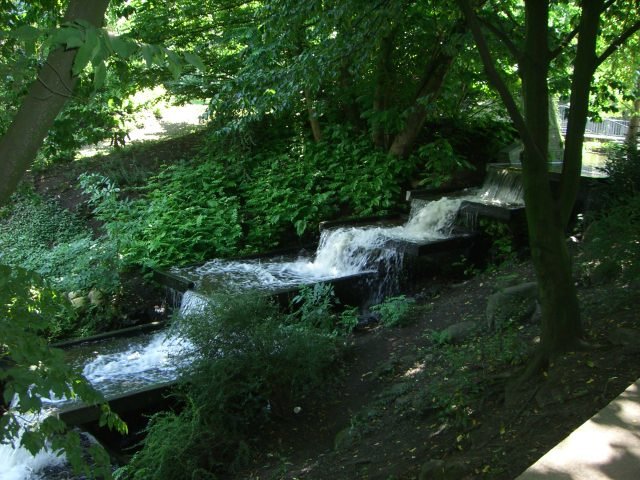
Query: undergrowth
41,236
228,201
252,364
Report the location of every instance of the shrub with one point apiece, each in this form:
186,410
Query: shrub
252,363
43,237
612,244
393,311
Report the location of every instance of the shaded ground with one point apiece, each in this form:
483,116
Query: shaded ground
407,400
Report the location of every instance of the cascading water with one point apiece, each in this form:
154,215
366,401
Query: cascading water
503,186
130,364
341,252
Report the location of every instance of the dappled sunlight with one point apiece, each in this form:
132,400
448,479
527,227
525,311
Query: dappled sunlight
166,122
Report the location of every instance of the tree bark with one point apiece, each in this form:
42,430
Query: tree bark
561,326
634,127
313,116
350,108
430,86
45,98
583,70
384,82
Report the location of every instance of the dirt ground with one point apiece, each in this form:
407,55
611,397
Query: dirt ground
407,401
382,422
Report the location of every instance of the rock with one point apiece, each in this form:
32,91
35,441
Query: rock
96,297
72,295
516,304
79,302
441,470
457,332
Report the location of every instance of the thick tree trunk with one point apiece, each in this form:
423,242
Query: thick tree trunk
561,327
44,100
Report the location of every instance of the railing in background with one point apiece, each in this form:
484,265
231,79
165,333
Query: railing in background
609,129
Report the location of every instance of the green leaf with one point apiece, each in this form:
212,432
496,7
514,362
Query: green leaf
26,33
194,60
86,52
173,63
99,75
147,54
73,39
120,46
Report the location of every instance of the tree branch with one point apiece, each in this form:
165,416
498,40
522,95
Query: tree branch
504,38
563,44
567,40
613,46
495,79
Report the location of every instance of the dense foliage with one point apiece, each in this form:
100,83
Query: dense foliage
41,236
612,243
252,364
317,110
238,202
31,371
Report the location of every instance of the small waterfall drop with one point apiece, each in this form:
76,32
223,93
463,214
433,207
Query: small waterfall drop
128,364
502,186
18,463
341,252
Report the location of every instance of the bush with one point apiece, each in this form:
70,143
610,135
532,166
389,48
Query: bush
43,237
226,203
252,363
612,244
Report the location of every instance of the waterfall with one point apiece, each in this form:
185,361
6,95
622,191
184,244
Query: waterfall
128,364
341,252
503,186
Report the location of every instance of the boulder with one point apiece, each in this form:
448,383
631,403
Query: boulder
79,302
457,332
96,297
512,304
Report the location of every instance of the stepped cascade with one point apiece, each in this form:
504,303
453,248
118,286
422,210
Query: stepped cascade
129,364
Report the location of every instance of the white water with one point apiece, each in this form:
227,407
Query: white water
341,252
16,463
124,365
502,187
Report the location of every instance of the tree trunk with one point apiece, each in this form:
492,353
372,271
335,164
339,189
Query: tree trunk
313,116
350,109
430,86
383,88
561,327
44,100
583,70
634,127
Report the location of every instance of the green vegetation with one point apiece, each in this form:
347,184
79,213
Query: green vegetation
227,203
612,244
317,110
41,236
29,310
253,365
